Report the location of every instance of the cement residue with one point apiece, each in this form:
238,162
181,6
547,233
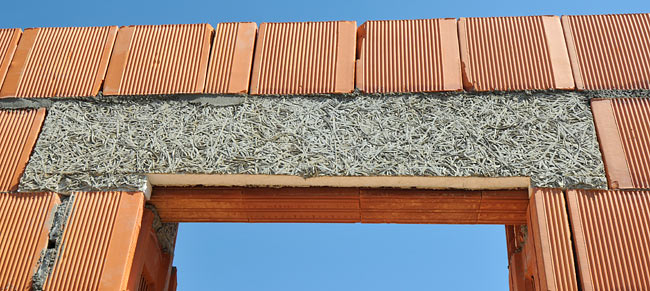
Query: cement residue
548,136
24,103
639,93
49,256
165,232
67,183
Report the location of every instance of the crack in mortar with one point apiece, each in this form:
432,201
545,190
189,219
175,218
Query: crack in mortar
88,182
49,256
546,135
165,232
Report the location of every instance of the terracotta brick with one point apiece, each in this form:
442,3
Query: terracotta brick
609,51
623,134
304,58
231,58
159,59
514,53
332,204
8,42
25,221
151,266
408,56
549,232
98,243
59,62
612,238
19,131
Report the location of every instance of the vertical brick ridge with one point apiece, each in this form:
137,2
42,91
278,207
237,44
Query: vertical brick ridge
231,58
409,56
345,57
514,53
611,144
123,243
612,238
609,51
159,59
558,53
19,130
632,117
8,44
304,58
118,60
24,226
60,62
552,240
98,242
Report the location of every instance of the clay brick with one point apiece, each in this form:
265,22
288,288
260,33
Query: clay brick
304,58
514,53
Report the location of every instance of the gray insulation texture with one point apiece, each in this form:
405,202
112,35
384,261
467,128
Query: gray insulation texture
65,184
548,136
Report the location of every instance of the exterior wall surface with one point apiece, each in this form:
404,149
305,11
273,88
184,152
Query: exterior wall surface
584,240
151,266
304,58
159,59
514,53
99,241
408,56
624,135
229,69
19,131
25,221
551,236
8,42
609,51
59,62
612,237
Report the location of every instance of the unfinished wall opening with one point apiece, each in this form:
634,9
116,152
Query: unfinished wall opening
324,256
341,238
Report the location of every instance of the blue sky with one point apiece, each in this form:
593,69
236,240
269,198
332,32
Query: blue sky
120,12
291,257
336,257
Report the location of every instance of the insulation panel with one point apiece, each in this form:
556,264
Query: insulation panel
514,53
612,238
549,222
98,243
159,59
304,58
231,58
624,135
59,62
8,42
19,130
609,51
408,56
477,141
25,221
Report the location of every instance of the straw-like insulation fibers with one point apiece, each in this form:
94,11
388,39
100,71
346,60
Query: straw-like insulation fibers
548,136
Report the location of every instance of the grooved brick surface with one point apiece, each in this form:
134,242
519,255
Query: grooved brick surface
514,53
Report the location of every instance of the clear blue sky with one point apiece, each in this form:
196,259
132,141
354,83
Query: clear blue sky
341,257
28,13
292,257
